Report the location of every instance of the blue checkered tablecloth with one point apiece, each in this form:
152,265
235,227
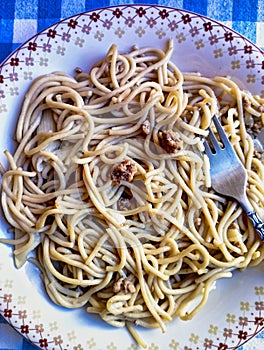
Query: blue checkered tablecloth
21,19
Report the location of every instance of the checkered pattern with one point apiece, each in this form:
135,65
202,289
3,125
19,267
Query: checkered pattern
11,339
21,19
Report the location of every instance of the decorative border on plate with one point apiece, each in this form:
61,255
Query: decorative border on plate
237,331
180,24
201,32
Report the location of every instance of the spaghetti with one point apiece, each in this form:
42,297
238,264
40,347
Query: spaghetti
110,186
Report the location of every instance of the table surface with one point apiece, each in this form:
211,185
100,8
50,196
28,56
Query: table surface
21,19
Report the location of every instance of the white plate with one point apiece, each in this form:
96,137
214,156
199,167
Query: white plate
235,310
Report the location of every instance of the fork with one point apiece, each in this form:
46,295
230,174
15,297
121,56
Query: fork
228,175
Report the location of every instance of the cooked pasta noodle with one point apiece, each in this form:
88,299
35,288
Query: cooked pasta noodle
110,186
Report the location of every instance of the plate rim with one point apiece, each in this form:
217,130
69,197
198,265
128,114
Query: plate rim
6,61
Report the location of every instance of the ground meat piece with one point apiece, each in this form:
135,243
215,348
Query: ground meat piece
170,141
118,285
124,285
124,171
129,287
146,127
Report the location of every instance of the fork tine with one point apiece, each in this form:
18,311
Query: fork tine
207,148
213,140
221,131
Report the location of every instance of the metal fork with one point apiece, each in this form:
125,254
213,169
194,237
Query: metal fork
228,175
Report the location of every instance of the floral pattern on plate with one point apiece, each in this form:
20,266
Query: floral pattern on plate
199,32
201,44
238,328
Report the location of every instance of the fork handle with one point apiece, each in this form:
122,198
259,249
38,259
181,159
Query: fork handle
252,215
257,223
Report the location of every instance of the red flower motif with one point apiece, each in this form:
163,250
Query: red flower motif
1,79
73,23
117,13
51,33
24,329
259,321
8,313
207,26
94,17
163,14
43,343
186,18
32,46
228,36
248,49
140,12
222,346
14,62
242,335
